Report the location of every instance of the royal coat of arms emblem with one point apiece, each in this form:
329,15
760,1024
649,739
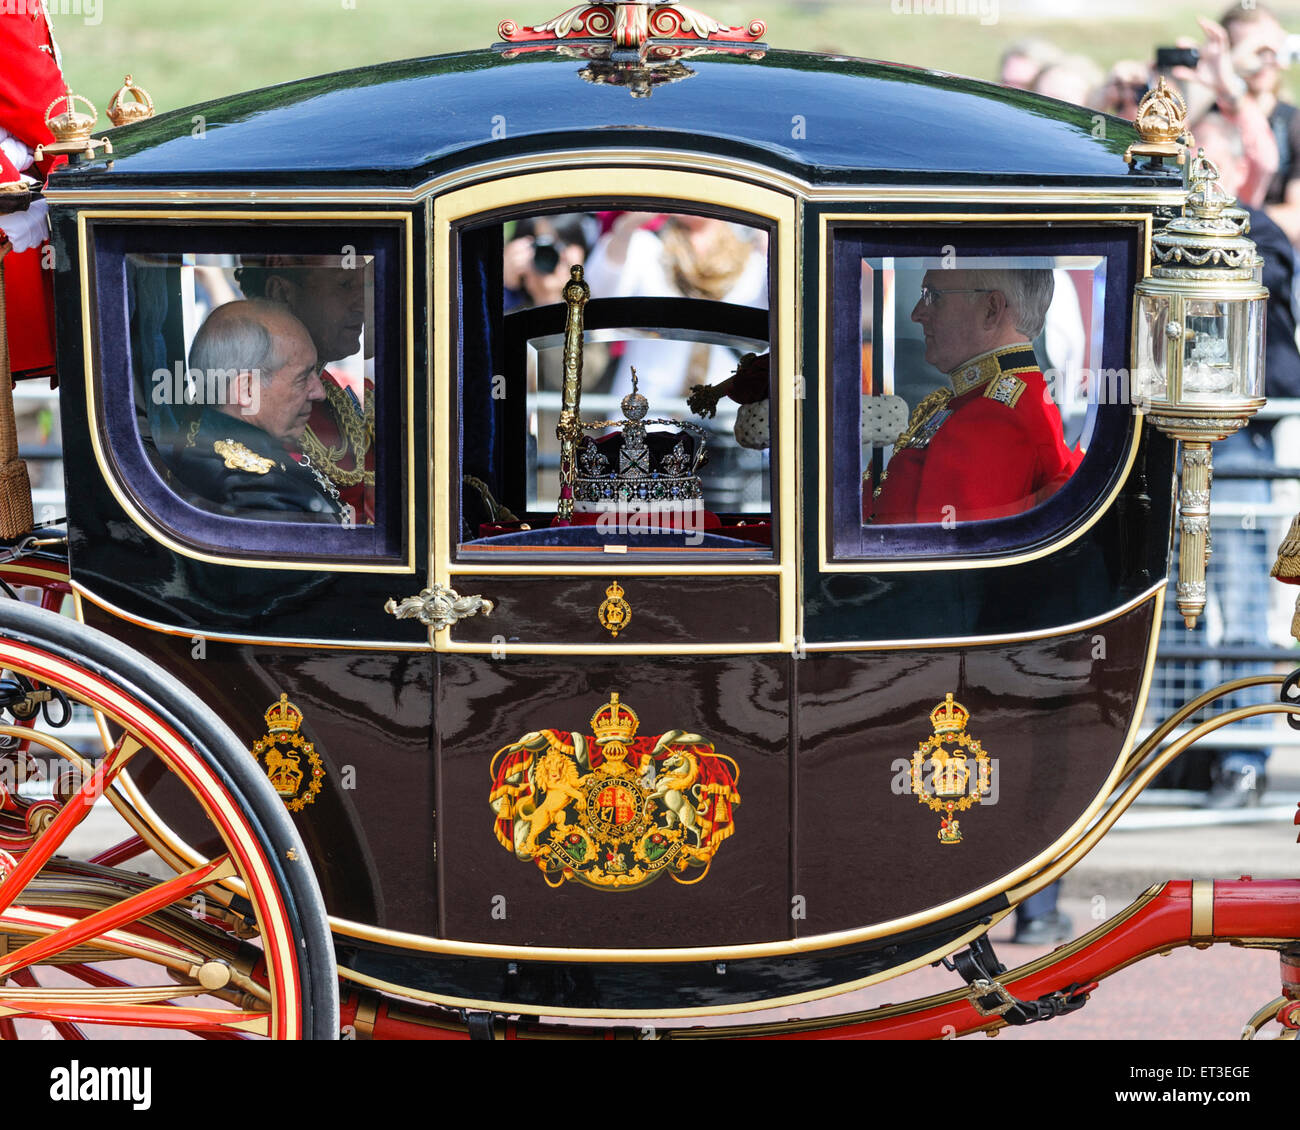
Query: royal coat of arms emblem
289,760
613,810
942,767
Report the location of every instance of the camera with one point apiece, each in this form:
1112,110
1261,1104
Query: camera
1169,57
546,254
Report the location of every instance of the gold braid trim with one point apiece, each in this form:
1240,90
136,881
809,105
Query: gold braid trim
930,405
357,432
1287,565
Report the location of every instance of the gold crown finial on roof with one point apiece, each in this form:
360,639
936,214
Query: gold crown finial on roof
71,125
130,103
71,129
1161,123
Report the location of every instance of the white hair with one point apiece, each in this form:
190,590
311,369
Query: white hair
1028,294
234,339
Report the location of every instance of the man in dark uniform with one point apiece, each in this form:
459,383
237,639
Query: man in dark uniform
329,298
242,453
991,444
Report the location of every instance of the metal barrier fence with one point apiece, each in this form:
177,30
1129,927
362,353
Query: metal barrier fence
1246,627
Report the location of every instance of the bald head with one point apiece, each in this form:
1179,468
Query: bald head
268,362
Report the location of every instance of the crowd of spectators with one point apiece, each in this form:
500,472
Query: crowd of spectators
1240,115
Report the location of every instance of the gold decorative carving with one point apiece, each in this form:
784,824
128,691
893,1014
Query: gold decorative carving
611,810
439,607
949,752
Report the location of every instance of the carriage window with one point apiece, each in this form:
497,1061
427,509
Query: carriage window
262,377
671,446
970,388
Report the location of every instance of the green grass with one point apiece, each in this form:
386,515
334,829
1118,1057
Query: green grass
189,52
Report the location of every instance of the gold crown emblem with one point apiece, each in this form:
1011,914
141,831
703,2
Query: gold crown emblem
283,717
614,722
71,125
949,717
130,103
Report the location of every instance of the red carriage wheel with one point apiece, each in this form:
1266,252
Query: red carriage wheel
235,943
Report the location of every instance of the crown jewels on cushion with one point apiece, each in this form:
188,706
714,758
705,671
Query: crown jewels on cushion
635,464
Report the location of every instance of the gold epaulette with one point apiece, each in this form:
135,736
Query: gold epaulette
929,407
1005,389
239,458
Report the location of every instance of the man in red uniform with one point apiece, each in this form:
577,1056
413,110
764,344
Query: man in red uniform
991,444
30,80
329,299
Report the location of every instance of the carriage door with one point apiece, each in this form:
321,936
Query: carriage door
647,557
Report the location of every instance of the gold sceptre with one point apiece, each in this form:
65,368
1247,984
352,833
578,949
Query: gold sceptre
569,429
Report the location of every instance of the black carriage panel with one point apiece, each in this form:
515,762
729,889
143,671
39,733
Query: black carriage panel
928,777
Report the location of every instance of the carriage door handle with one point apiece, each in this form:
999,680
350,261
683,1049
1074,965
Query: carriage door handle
439,607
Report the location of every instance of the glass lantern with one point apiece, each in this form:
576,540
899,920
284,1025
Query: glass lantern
1199,352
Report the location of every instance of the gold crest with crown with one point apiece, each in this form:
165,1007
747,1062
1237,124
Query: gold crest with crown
610,810
942,767
281,752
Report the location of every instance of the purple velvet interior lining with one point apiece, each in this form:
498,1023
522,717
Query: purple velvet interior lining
138,468
1114,422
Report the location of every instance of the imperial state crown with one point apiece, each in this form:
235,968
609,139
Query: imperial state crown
635,464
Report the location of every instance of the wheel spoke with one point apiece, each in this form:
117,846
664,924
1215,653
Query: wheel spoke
139,1015
114,917
29,990
27,979
70,815
92,976
120,853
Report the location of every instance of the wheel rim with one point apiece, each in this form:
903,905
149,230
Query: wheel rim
130,919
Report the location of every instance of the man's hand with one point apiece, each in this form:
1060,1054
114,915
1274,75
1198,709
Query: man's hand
1214,68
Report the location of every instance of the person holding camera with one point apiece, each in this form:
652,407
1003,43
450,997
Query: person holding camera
538,257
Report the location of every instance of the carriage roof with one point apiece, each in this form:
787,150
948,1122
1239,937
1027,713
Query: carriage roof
825,119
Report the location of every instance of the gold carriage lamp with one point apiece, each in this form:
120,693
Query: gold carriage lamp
130,103
1199,341
71,129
